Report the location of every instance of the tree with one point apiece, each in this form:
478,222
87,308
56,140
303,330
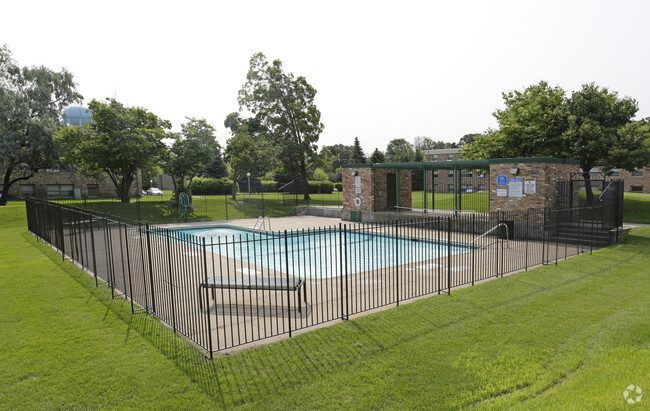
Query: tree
598,132
249,150
284,105
339,154
119,141
32,100
191,152
593,126
426,143
358,157
400,151
216,169
377,157
468,139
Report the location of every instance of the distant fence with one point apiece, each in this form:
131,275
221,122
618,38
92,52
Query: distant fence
163,209
223,292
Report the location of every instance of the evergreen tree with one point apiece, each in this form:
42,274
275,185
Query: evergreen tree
358,156
377,157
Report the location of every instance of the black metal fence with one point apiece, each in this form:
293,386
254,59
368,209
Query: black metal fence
225,291
164,209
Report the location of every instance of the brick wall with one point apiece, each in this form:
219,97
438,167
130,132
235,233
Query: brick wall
373,191
40,180
546,177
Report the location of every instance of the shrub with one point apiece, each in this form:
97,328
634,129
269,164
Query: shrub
338,186
269,186
321,187
210,186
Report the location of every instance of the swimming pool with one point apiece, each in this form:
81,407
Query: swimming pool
319,254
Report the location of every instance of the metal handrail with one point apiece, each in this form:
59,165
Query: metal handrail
600,197
263,224
489,231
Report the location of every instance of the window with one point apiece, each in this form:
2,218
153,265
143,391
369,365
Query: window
637,173
615,173
27,190
435,173
481,187
450,157
450,187
435,188
450,173
466,188
435,157
93,190
637,189
60,190
466,174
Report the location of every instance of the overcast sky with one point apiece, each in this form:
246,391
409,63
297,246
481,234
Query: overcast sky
383,70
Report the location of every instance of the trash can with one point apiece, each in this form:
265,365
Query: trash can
506,232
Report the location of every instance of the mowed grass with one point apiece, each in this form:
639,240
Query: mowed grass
571,336
637,208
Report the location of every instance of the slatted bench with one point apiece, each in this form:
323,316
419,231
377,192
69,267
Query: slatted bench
253,283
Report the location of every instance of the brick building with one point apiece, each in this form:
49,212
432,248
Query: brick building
442,181
64,184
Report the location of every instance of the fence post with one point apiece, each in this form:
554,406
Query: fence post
153,297
225,198
591,239
343,257
92,244
543,235
473,248
286,259
397,261
61,235
207,296
128,266
137,202
448,255
171,280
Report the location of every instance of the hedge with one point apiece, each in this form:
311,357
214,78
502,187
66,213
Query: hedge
321,187
211,186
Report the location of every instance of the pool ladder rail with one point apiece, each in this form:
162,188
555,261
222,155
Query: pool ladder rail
489,231
262,224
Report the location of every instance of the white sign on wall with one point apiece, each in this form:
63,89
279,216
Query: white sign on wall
502,192
516,187
357,184
530,186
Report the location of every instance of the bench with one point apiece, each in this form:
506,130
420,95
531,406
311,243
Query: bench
253,283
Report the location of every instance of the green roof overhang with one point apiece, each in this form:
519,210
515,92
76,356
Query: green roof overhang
464,164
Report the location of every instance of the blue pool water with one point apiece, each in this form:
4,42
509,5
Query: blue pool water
317,254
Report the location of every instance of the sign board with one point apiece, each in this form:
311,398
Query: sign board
530,187
502,192
502,180
516,187
357,184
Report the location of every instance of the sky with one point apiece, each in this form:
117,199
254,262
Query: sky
383,70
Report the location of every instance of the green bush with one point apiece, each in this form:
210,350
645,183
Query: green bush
321,187
211,186
338,186
269,186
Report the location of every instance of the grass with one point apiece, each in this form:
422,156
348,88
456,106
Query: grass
637,208
571,336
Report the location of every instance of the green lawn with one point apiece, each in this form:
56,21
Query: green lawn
571,336
637,208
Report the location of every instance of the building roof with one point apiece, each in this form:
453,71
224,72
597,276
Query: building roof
464,164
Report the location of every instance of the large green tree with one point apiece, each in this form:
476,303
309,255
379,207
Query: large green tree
377,157
284,104
594,125
250,149
400,151
119,141
32,100
191,152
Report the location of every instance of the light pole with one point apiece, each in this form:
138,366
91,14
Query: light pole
249,183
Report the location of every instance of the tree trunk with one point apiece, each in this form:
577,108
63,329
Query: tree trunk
124,190
303,174
590,194
5,187
234,189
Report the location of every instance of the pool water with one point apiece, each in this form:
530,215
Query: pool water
318,254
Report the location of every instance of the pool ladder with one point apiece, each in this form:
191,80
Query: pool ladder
262,223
